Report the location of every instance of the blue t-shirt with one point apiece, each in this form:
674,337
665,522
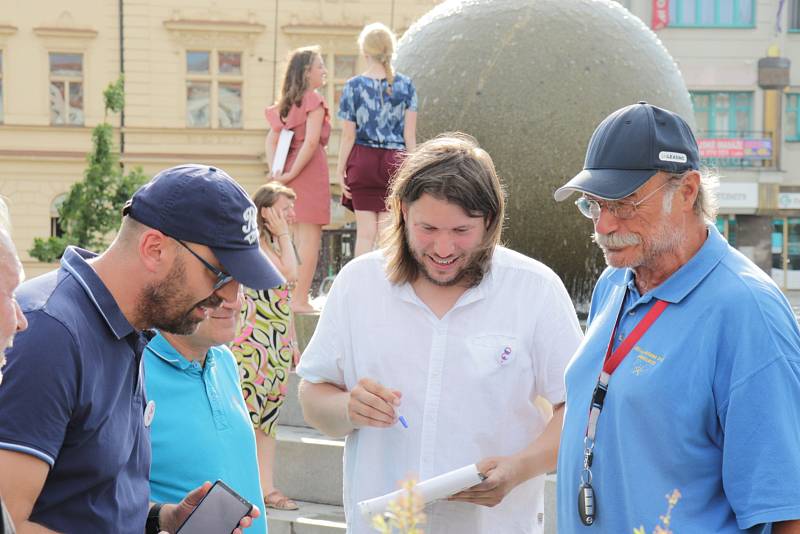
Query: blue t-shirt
706,403
201,429
379,116
73,396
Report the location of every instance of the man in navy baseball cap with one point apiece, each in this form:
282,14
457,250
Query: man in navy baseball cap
202,204
77,458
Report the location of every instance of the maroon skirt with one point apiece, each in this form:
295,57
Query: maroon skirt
368,173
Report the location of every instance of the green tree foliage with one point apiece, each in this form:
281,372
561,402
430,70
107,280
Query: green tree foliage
91,211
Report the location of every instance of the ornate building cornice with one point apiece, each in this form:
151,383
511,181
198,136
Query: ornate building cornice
214,33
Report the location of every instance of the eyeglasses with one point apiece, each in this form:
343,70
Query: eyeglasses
222,277
621,209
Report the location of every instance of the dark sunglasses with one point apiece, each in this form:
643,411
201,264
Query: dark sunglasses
222,277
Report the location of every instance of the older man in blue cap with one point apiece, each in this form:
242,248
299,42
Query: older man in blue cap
683,403
74,436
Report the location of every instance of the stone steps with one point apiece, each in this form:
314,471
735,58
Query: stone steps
291,413
550,504
304,325
308,465
311,518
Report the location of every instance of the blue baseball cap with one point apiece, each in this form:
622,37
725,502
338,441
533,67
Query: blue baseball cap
629,147
204,205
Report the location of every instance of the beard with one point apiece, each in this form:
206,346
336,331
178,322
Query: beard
167,306
664,240
470,274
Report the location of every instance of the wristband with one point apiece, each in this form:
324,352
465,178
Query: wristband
153,524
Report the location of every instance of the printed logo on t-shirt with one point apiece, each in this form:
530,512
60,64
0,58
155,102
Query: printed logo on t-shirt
645,360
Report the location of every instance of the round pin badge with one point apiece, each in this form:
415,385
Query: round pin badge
149,413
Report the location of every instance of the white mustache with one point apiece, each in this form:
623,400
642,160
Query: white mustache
616,240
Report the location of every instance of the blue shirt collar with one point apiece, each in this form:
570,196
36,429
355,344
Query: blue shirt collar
74,261
684,280
164,350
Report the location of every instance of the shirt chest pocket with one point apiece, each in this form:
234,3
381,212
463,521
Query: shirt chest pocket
495,353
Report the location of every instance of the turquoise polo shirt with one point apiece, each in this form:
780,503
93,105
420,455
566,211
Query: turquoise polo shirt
201,429
706,403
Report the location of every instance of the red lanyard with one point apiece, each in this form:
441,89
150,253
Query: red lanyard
587,505
612,361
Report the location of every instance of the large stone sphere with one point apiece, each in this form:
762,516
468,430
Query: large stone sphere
530,80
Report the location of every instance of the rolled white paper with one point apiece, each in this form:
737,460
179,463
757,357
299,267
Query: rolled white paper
432,489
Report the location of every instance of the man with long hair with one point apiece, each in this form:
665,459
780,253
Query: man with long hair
456,333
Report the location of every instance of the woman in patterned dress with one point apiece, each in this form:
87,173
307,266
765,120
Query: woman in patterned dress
303,111
265,349
378,110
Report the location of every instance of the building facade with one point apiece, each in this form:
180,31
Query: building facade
198,76
748,133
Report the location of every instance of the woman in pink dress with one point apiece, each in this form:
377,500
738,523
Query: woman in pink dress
302,110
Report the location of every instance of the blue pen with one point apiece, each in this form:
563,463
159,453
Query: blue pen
403,421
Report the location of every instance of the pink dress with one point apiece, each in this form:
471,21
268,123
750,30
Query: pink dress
312,184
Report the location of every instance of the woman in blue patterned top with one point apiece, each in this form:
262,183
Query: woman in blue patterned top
378,111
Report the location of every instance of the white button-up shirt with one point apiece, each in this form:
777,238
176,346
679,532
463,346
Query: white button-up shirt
468,381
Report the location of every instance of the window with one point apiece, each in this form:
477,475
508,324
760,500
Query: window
56,230
712,13
66,89
723,114
1,86
724,135
213,89
344,68
726,224
792,127
794,15
786,252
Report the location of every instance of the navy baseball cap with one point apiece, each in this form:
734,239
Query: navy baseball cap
204,205
629,147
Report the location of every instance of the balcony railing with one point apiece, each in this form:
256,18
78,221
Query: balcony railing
736,148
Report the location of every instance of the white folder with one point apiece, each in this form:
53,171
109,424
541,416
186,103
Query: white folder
281,151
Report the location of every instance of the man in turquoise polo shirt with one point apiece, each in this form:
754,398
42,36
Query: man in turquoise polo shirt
683,403
200,429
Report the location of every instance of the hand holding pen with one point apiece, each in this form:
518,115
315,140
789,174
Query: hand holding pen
373,404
